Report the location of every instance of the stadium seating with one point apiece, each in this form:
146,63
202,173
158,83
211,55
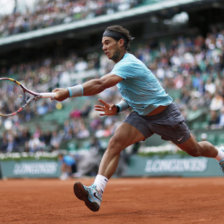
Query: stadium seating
169,59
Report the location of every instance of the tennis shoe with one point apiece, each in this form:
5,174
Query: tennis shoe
90,195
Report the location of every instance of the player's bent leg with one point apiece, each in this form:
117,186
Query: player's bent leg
203,148
124,136
194,148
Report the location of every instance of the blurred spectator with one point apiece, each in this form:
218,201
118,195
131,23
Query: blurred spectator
85,110
47,13
216,102
35,144
3,143
221,117
87,162
214,119
67,130
55,140
210,86
68,166
96,145
190,66
83,131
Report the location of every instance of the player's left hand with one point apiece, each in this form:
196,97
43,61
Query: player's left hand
107,109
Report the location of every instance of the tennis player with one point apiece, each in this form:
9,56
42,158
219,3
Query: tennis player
153,111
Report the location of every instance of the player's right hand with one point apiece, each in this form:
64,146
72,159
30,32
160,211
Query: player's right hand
61,94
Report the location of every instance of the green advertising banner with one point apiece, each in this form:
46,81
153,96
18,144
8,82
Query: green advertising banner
173,165
169,165
29,168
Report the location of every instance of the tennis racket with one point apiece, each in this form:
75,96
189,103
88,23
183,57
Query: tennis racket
14,96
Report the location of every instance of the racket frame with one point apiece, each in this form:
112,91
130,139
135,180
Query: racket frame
36,96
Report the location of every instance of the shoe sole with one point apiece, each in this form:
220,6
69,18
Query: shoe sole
83,194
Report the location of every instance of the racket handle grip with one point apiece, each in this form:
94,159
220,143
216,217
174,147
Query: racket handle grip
48,95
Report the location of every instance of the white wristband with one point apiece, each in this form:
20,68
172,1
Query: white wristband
122,106
75,90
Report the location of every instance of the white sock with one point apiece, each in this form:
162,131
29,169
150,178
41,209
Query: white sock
100,182
220,155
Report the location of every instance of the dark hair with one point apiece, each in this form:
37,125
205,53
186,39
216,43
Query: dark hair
122,33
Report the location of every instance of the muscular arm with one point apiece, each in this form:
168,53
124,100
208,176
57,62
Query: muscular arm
95,86
89,88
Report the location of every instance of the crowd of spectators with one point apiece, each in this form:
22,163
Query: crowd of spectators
54,12
192,66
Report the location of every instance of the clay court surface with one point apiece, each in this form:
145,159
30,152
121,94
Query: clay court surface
126,201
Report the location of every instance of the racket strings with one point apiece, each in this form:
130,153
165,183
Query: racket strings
12,97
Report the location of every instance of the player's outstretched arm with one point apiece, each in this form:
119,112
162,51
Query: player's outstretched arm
95,86
89,88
